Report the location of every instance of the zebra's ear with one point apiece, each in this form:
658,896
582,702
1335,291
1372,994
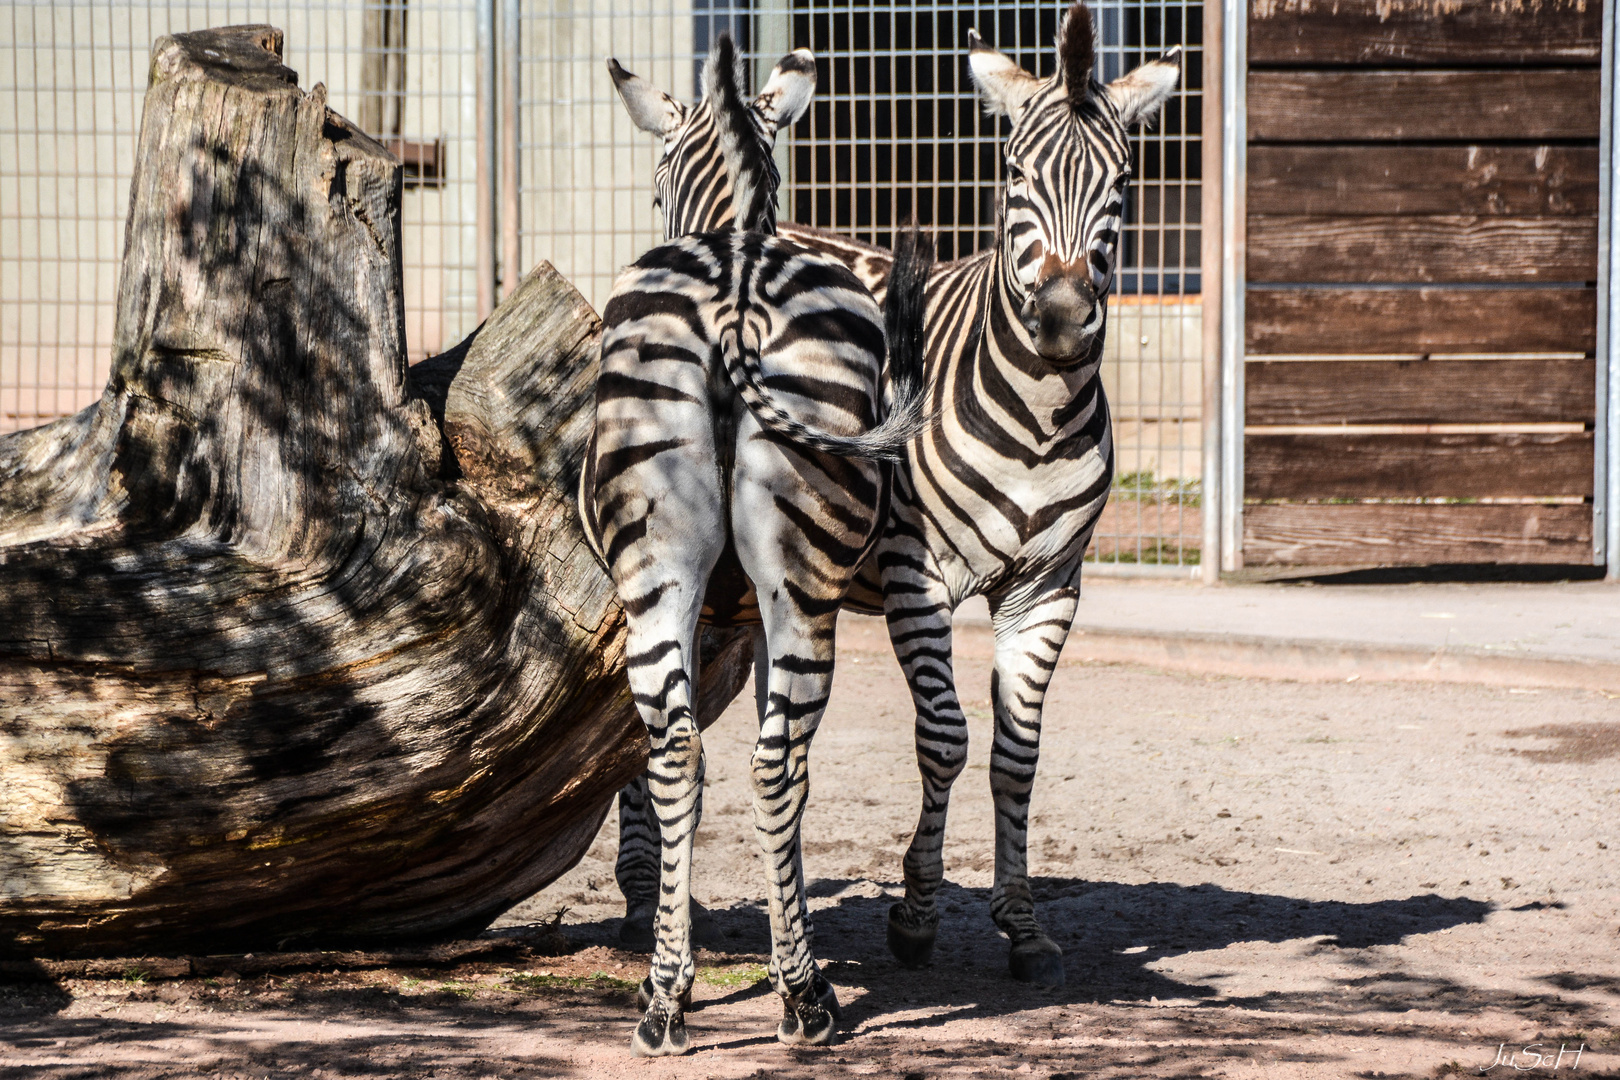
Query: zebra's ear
650,108
1139,94
788,91
1005,87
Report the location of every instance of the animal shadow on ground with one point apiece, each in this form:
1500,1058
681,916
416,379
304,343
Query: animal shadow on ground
1111,934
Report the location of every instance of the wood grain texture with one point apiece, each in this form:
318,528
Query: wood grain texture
1425,320
1414,535
1419,392
1443,33
1416,466
1344,106
1520,181
1420,250
297,646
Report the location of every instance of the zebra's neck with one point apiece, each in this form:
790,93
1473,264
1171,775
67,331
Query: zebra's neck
1042,405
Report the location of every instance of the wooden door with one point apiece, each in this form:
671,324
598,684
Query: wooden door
1421,303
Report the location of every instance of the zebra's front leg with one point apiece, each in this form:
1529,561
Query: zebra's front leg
637,867
920,630
1030,630
798,675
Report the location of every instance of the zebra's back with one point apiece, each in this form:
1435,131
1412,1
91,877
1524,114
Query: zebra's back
671,429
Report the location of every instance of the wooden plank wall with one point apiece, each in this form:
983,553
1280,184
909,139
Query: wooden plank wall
1421,309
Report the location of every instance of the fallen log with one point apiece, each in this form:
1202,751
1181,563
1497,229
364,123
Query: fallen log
298,645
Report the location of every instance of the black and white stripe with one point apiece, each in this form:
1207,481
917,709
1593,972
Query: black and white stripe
746,400
1001,496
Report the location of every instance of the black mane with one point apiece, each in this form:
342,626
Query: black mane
1077,53
748,158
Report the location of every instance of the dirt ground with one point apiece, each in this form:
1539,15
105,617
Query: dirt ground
1249,878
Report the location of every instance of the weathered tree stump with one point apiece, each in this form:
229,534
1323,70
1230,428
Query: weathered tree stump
297,645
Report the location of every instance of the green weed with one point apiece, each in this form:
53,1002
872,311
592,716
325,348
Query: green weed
734,977
597,980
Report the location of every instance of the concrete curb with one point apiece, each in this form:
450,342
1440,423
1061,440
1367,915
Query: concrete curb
1311,660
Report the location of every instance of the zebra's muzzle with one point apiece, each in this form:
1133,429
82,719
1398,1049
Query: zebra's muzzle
1059,314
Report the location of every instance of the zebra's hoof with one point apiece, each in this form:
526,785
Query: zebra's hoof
1038,961
810,1018
644,996
636,931
660,1035
911,945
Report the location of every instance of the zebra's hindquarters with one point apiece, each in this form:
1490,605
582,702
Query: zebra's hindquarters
681,473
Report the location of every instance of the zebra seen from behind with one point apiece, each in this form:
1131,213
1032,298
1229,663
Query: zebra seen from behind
701,187
750,400
1000,497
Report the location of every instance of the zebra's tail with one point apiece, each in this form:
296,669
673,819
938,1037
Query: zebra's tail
903,327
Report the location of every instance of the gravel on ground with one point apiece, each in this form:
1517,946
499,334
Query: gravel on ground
1249,878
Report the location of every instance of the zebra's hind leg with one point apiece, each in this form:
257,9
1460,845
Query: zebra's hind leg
638,868
919,618
798,675
1030,627
637,874
660,667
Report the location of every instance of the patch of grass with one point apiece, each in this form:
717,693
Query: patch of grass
1152,553
464,991
597,980
1143,486
735,977
135,976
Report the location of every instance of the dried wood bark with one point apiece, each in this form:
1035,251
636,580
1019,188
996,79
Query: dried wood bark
297,646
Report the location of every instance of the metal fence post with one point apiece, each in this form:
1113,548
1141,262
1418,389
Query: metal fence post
511,84
1234,159
488,239
1210,257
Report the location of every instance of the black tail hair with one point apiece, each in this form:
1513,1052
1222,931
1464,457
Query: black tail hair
903,309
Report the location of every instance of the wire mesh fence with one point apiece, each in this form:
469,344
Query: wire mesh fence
73,79
896,133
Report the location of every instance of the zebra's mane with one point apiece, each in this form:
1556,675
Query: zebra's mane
743,145
1077,53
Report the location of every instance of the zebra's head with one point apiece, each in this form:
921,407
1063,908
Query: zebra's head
1068,161
717,171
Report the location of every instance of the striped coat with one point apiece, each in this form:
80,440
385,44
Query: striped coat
1001,497
751,401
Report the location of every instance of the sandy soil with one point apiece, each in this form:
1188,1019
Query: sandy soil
1250,879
